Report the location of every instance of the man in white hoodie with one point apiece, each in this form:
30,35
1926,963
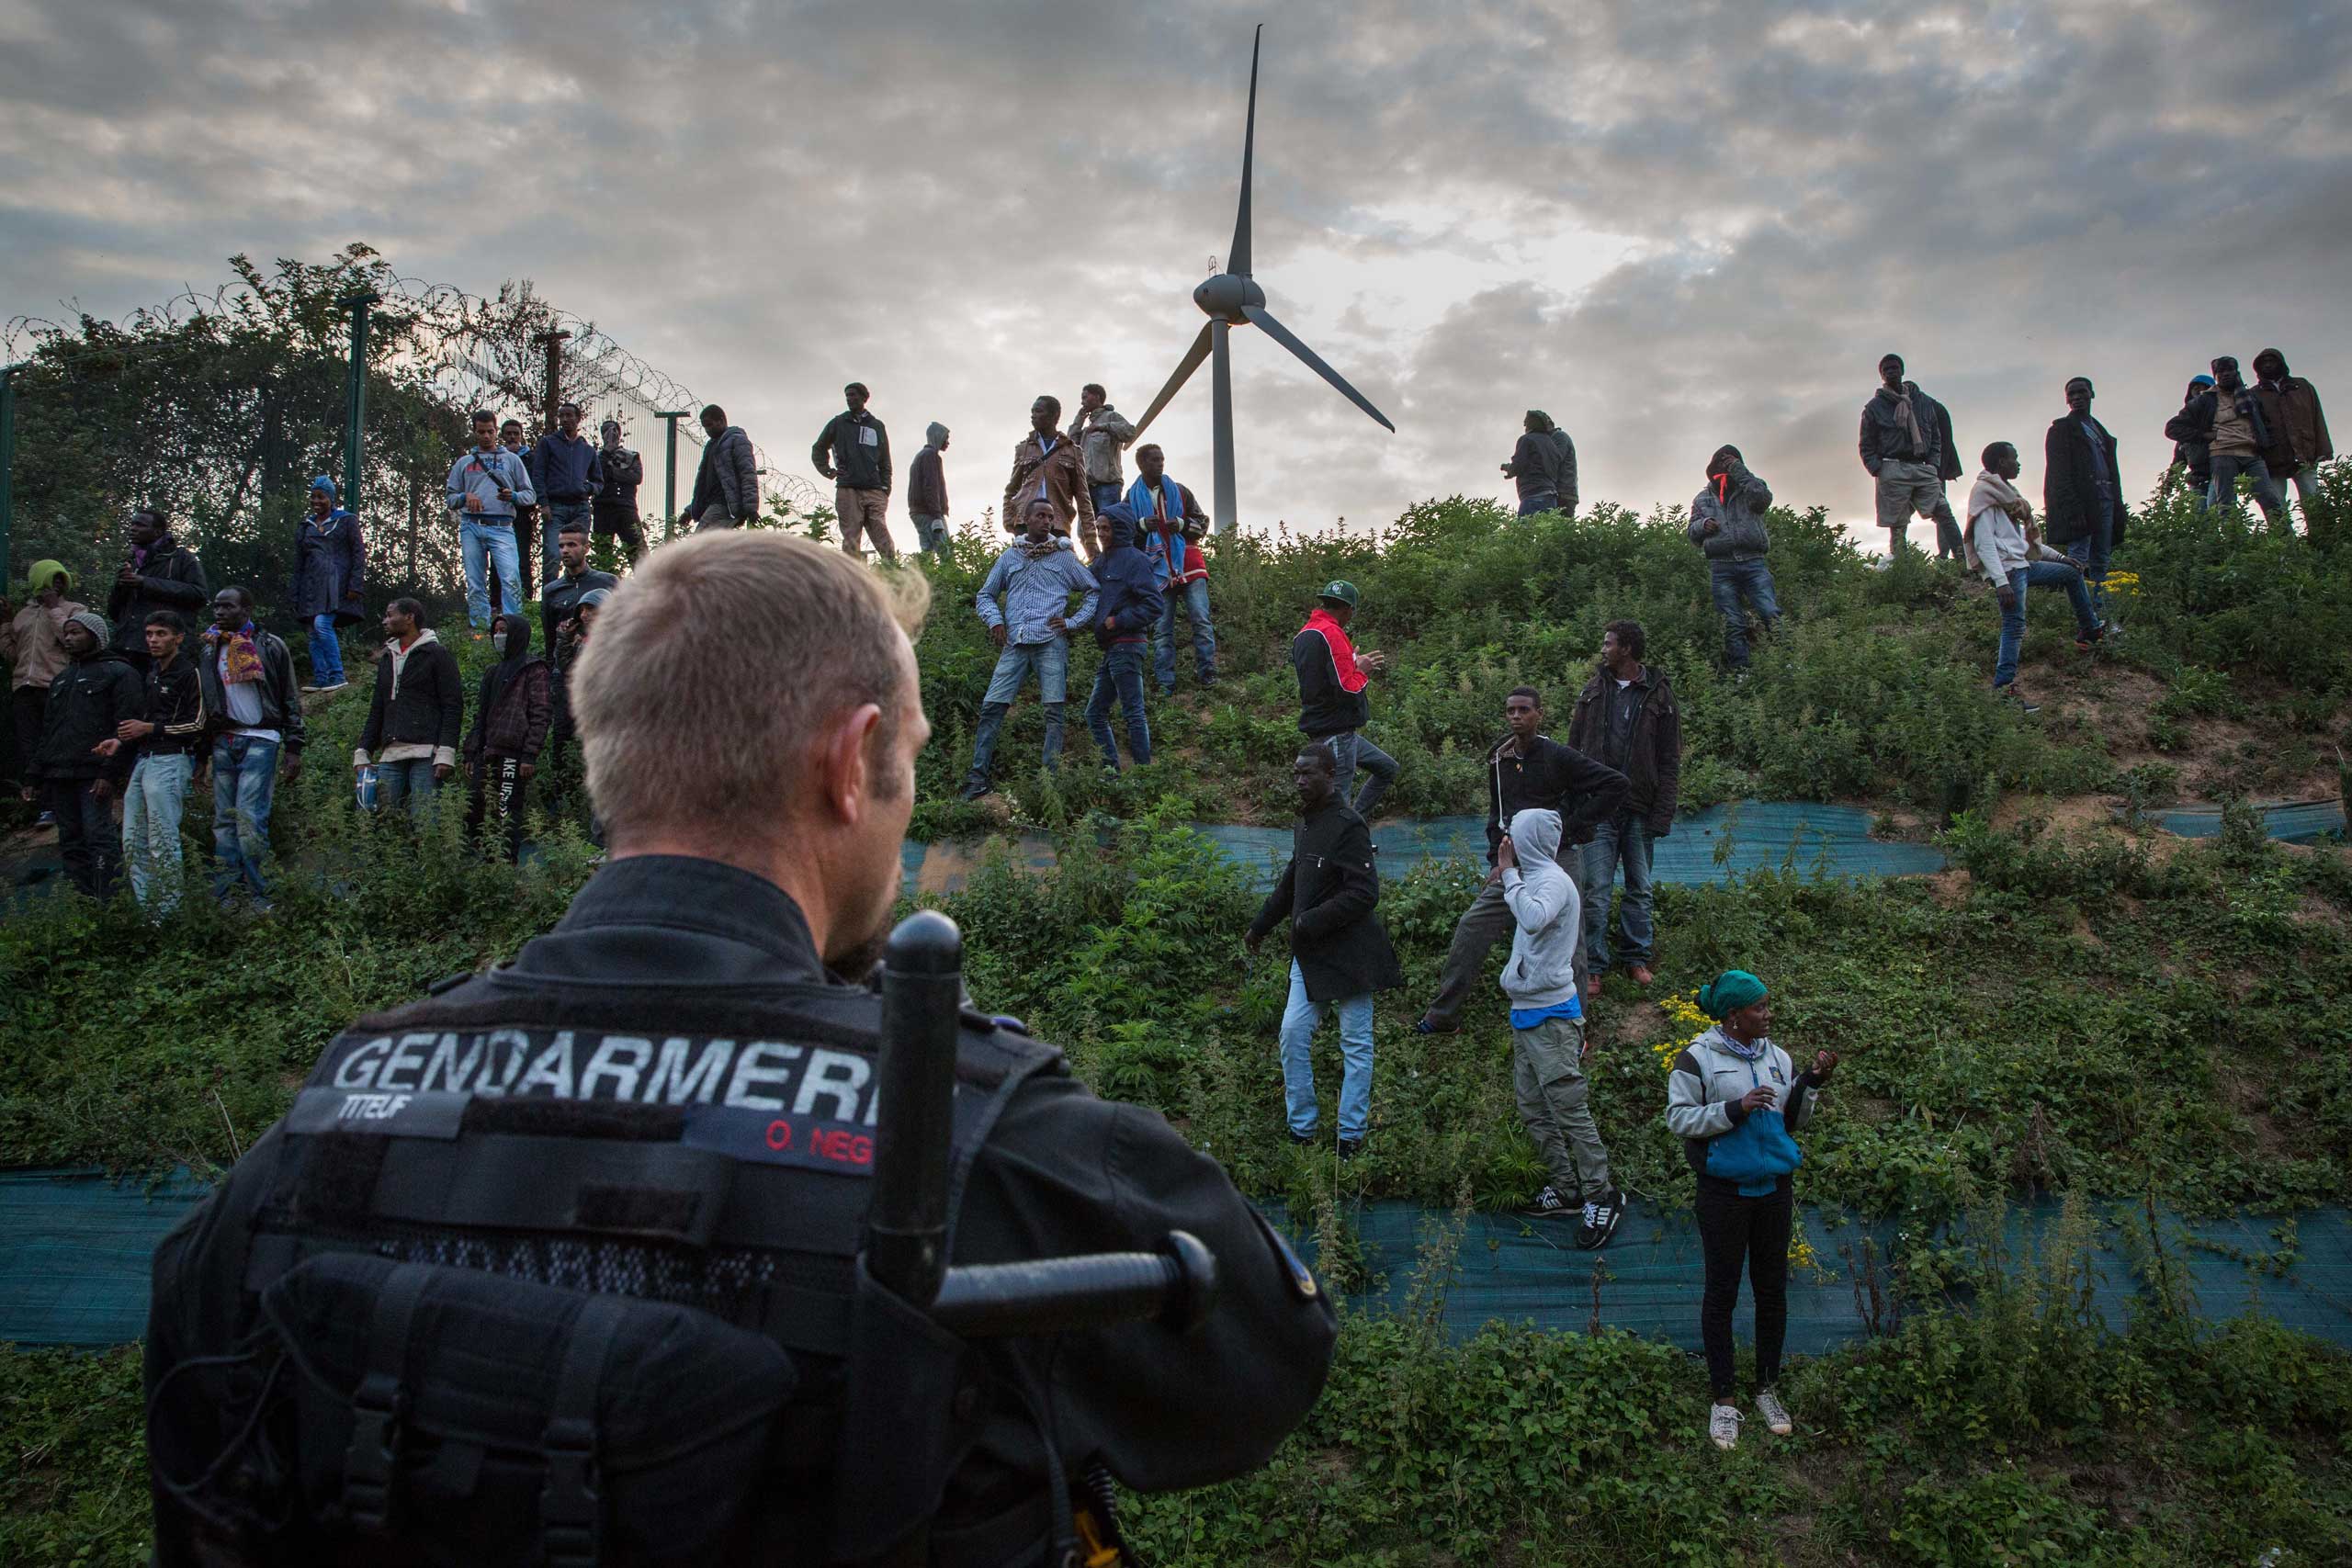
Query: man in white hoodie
1547,1030
2002,543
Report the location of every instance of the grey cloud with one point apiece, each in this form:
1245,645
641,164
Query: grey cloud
993,198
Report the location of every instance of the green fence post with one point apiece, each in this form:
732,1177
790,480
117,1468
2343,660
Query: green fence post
670,474
355,397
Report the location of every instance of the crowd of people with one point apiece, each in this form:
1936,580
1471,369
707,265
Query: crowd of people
176,686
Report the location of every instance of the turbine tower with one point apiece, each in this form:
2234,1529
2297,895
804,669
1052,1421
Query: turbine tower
1232,298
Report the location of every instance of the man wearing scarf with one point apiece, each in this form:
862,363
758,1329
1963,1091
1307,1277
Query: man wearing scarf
256,714
510,717
30,640
2002,543
1173,523
1907,447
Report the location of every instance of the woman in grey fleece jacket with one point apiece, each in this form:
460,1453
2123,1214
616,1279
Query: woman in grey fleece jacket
1733,1099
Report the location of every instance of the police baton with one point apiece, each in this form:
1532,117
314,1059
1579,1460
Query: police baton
922,986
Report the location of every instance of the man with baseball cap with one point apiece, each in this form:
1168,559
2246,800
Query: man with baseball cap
1331,702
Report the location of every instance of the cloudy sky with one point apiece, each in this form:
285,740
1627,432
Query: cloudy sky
1671,225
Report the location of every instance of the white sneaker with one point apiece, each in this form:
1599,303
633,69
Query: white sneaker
1722,1425
1775,1413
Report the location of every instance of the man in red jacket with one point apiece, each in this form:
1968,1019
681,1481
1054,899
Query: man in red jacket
1331,702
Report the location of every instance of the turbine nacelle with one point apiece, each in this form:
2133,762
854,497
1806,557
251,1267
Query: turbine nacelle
1232,298
1228,296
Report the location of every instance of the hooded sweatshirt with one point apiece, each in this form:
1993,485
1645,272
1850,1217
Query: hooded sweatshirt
1540,977
1131,602
30,641
927,477
419,707
511,710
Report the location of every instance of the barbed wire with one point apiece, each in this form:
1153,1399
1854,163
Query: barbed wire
450,329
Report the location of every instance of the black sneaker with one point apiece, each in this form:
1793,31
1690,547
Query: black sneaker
1347,1147
1549,1205
2086,641
974,788
1422,1025
1601,1220
1302,1139
2023,704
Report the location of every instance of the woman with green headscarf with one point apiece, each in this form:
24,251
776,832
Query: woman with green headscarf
1733,1099
30,640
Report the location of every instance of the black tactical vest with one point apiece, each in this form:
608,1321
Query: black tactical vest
511,1289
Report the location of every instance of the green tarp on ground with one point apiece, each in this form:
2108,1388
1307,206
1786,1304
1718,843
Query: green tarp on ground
1721,844
1517,1270
2290,821
74,1249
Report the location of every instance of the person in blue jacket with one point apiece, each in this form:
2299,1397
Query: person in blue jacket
1734,1099
329,570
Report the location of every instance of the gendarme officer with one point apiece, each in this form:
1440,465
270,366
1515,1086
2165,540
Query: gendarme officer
559,1264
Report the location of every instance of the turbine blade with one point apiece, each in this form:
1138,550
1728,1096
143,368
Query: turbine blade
1283,334
1192,357
1237,260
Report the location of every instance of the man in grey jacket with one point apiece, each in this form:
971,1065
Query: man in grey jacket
1547,1030
1102,433
1036,575
1727,522
727,484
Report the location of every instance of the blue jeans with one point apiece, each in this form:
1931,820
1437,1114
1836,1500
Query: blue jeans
1529,505
2092,550
1732,581
488,545
1051,662
1354,752
931,535
151,827
1194,597
1107,495
2038,574
1299,1019
1623,843
410,784
1120,676
245,783
326,651
2228,466
552,519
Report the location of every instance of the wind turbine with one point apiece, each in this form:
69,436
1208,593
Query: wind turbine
1232,298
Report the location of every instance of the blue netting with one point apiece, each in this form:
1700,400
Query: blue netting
1719,844
74,1249
2293,822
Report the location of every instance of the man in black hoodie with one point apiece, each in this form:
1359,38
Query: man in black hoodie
411,737
559,624
510,726
1526,770
81,761
162,574
1124,615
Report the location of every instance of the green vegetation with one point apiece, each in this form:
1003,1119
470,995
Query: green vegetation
2079,1007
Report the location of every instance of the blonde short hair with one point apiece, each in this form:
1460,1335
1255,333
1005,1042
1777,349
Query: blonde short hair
718,661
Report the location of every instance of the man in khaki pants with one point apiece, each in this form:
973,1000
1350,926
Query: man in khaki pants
853,451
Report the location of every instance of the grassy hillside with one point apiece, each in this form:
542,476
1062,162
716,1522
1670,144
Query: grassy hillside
2080,1006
